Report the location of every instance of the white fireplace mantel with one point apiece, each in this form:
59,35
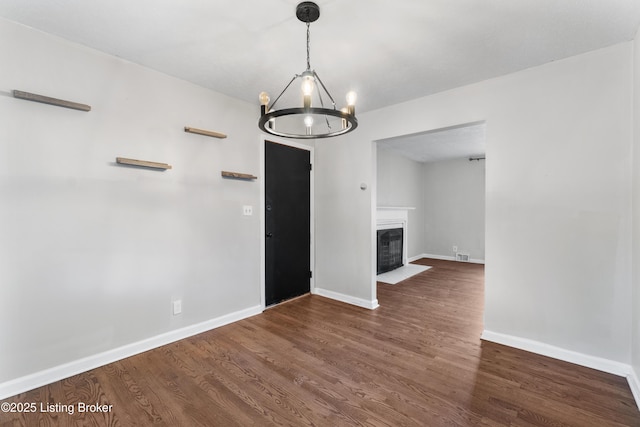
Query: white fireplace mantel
396,208
392,215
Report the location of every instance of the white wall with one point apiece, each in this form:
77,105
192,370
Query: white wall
399,183
558,213
91,253
454,193
344,255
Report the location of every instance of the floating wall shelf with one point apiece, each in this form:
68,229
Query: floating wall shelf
205,132
51,101
236,175
142,163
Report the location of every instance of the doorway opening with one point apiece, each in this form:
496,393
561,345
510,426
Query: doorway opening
438,177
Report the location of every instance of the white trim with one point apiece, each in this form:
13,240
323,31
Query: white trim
396,208
312,220
444,257
371,305
599,363
57,373
373,198
634,385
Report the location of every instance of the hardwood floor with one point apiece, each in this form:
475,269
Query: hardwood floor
415,361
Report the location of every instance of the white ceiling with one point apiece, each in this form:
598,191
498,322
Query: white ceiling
387,51
464,141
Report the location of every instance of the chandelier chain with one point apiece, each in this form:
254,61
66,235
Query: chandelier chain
308,49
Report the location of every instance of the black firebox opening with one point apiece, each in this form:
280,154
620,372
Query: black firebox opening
389,249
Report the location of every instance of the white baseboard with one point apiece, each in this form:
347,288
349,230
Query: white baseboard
599,363
444,257
371,305
57,373
634,385
559,353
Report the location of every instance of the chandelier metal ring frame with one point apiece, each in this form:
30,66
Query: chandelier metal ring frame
344,120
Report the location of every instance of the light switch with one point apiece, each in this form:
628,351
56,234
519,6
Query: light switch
177,307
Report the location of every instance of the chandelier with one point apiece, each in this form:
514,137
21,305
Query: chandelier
308,121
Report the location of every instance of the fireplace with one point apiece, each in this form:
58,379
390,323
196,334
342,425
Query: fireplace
392,236
390,245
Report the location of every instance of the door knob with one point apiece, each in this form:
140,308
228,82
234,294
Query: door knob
269,234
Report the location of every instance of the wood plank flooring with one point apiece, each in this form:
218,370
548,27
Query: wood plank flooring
415,361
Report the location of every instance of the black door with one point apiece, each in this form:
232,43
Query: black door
287,222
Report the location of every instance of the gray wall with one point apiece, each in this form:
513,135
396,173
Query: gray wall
92,254
454,193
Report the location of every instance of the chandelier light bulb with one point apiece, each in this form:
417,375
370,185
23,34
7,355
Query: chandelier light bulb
264,101
351,102
307,85
308,121
264,98
352,97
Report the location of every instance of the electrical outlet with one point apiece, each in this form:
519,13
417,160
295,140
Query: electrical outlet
455,249
247,210
177,307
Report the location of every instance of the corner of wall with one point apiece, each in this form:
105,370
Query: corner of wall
348,299
634,383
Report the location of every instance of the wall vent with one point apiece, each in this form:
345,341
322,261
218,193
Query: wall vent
462,257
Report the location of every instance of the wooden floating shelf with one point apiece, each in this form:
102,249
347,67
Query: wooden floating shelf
51,101
205,132
142,163
236,175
